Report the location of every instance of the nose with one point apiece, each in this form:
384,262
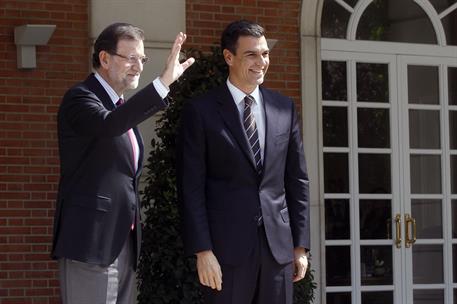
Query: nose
138,66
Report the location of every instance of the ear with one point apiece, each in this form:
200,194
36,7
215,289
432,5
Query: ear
104,58
228,56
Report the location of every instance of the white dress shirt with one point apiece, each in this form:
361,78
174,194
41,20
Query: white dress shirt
158,85
257,110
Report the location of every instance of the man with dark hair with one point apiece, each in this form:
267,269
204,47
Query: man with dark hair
242,181
97,229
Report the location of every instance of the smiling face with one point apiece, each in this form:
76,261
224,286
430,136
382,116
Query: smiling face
248,67
117,70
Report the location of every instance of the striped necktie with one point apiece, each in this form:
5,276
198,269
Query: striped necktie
251,131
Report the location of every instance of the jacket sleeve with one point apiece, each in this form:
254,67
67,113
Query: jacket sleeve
87,116
191,172
297,186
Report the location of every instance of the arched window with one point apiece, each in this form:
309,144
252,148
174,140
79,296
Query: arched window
410,21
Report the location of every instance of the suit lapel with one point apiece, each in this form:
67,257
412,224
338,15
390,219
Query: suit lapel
94,85
230,115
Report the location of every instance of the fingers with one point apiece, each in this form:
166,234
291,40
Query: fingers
187,63
301,265
209,270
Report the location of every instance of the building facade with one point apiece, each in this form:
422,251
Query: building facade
375,82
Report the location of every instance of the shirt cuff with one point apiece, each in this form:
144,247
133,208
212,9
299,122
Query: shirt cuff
161,89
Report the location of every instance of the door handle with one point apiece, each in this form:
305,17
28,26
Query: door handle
410,222
398,230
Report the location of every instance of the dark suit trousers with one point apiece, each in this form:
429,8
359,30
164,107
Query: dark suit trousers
83,283
260,280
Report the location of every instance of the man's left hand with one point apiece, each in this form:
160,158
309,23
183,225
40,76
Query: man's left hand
300,263
174,69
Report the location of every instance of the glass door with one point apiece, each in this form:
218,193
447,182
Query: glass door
361,178
389,126
428,111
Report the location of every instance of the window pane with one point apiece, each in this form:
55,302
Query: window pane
450,28
373,127
334,84
397,21
336,173
428,264
454,221
428,215
377,297
452,85
334,20
376,265
375,219
424,129
453,174
335,126
372,82
425,174
453,129
339,298
337,226
454,264
374,173
423,85
338,265
431,296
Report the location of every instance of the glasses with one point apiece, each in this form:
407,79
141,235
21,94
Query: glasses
132,59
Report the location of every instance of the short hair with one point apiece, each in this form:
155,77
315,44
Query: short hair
110,36
229,38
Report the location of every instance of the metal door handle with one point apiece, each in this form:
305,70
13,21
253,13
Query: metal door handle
410,221
398,232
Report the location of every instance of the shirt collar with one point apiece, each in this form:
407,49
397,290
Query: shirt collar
238,95
112,94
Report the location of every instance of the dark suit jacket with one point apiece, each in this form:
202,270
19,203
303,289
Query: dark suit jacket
98,199
220,190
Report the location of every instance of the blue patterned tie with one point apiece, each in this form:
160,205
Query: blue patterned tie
251,131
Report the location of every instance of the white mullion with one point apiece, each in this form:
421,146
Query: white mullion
337,242
374,150
377,288
355,18
364,47
426,151
336,150
434,19
403,122
381,242
396,173
429,242
446,207
427,196
345,6
426,107
448,11
354,177
334,289
373,105
375,196
337,196
334,103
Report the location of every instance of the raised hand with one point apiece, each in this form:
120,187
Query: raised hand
173,68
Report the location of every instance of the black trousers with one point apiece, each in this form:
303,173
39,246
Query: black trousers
260,280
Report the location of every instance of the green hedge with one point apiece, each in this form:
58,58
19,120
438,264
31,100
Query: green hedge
165,275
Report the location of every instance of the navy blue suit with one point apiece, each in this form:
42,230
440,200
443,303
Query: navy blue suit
98,190
220,191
